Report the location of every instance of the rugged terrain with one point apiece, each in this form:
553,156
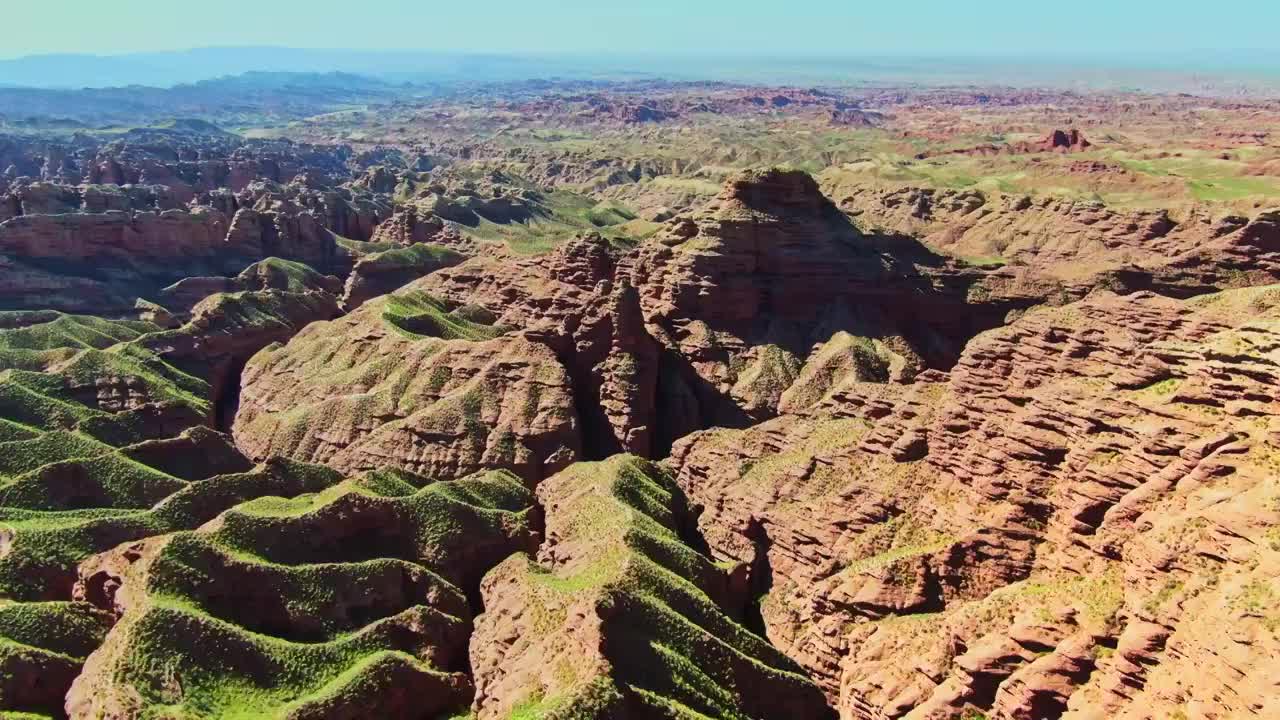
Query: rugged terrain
641,400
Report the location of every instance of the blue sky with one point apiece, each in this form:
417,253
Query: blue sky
777,27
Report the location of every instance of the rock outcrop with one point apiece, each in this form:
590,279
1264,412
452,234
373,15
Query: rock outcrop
1065,248
574,301
741,294
1065,141
1050,531
408,381
384,272
449,428
143,220
269,274
621,617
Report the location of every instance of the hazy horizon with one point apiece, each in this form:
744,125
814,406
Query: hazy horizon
1239,70
750,27
1089,44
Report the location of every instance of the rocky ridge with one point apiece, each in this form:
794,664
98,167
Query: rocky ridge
876,452
1079,245
1033,528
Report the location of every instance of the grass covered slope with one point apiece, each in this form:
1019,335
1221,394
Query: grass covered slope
99,445
622,617
411,382
388,270
89,376
350,602
48,557
42,648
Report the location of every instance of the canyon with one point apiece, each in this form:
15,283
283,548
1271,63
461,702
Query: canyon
645,400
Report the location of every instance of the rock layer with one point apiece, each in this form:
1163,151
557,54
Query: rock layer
742,292
406,382
621,617
1049,532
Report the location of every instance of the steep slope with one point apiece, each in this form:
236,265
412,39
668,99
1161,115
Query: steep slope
101,445
347,603
409,382
269,274
572,300
621,617
713,319
1078,243
388,270
227,328
1076,523
742,292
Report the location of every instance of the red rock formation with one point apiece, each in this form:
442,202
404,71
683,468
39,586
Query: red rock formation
400,382
572,301
1065,141
741,292
408,227
1058,141
1052,531
157,220
384,272
1053,246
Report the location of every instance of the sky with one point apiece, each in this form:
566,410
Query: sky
747,27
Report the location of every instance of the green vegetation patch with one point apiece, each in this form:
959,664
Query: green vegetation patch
418,255
22,456
110,480
418,315
46,546
617,526
70,331
287,275
425,527
186,663
68,628
341,596
360,248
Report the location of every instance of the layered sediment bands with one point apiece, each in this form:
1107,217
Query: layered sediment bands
713,320
573,301
226,329
1078,244
348,603
268,274
101,257
65,261
932,487
621,617
740,293
405,381
1065,526
350,599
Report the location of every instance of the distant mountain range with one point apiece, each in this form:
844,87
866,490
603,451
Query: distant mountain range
166,69
1185,72
250,96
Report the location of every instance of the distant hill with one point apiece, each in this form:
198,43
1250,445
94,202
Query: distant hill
225,100
167,69
1219,73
